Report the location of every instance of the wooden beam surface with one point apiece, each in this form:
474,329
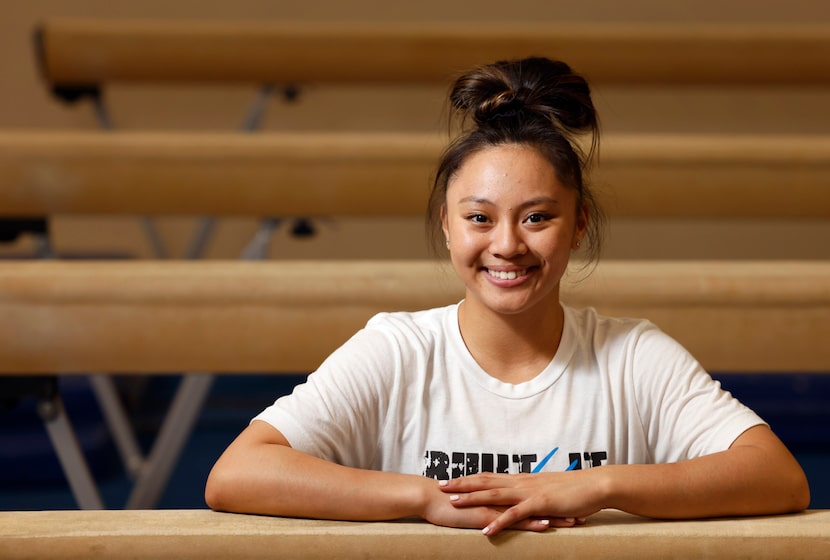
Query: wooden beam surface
93,51
204,534
216,174
287,316
389,174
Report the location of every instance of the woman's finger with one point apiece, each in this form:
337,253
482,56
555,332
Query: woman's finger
535,524
481,481
517,516
495,497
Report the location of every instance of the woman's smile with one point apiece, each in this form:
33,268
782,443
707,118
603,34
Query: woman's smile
508,277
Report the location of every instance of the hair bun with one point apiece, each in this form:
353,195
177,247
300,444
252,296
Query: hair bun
528,89
506,104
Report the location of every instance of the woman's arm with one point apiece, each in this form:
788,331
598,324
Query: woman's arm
260,473
756,475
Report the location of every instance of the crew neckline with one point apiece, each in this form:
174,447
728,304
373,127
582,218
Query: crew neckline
542,381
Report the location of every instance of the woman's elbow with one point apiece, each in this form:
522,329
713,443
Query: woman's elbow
800,491
235,483
795,489
214,492
219,489
792,490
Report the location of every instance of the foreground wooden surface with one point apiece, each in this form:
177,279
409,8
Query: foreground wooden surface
93,51
287,316
203,534
388,174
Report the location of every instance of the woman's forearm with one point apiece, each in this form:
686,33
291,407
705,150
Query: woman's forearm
756,476
257,476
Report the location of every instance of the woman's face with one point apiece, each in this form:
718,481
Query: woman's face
511,226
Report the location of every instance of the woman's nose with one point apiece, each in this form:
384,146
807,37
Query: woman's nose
507,242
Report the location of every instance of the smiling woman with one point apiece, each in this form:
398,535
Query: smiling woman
510,409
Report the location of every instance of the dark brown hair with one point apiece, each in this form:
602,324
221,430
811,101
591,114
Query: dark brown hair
536,102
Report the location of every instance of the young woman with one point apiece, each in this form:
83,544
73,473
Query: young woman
508,409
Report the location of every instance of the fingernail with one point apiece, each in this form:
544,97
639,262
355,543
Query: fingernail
570,520
582,519
454,498
443,482
544,522
486,530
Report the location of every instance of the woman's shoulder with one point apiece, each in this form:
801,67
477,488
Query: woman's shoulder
626,336
427,321
588,319
389,335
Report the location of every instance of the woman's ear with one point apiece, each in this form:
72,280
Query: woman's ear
445,226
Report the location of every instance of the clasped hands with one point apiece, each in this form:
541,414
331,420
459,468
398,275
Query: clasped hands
530,502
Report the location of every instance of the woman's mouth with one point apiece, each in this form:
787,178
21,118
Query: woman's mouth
507,274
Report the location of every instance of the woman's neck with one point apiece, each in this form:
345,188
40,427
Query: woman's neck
512,348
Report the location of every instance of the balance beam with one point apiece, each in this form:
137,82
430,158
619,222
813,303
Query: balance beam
287,316
388,174
204,534
90,52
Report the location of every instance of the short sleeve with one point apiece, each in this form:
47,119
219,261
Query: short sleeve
684,412
337,413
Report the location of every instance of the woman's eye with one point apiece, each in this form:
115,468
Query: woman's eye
478,218
537,218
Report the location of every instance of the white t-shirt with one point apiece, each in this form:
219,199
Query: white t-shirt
405,395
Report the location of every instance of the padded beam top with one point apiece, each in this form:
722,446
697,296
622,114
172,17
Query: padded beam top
389,174
287,316
83,52
204,534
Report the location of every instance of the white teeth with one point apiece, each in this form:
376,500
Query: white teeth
502,275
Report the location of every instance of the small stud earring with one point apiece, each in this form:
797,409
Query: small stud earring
448,243
578,244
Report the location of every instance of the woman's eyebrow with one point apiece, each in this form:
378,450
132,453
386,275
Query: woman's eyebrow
476,200
538,201
530,202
